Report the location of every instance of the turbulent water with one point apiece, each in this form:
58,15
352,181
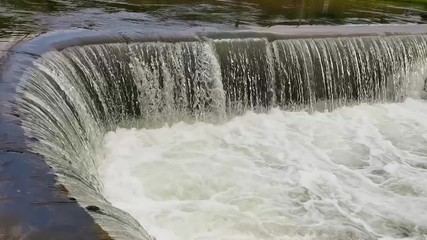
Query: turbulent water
354,173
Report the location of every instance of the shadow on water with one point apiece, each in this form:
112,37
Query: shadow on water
28,16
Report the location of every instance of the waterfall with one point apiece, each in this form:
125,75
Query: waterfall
71,98
247,73
336,72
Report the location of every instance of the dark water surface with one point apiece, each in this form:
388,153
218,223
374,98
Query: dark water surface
19,17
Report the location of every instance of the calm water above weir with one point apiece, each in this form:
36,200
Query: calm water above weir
29,16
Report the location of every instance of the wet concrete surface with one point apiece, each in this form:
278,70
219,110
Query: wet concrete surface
32,205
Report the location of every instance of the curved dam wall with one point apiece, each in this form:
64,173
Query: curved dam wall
60,94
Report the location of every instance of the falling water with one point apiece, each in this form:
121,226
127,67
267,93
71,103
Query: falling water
247,74
72,98
345,70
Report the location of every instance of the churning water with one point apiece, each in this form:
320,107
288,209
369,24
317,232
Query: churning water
354,173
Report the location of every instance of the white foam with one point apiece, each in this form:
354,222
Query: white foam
354,173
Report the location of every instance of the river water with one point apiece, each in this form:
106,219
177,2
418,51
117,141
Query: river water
354,173
21,17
